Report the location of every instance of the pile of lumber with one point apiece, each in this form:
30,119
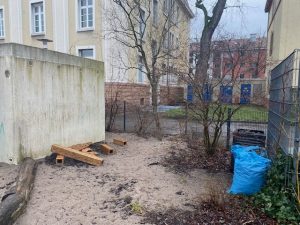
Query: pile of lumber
80,152
84,152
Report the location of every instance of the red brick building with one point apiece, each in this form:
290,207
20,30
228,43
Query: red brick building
239,64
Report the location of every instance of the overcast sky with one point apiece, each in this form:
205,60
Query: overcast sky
251,18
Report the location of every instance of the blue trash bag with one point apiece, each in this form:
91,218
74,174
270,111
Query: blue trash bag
249,170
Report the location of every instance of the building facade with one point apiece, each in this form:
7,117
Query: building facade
238,65
79,27
164,25
67,26
283,32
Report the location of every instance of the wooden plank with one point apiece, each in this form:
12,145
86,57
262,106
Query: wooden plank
86,150
120,141
78,155
93,153
60,159
79,147
106,149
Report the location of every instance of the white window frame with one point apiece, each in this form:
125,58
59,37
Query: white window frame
140,72
155,15
3,21
78,18
166,7
86,47
141,24
33,33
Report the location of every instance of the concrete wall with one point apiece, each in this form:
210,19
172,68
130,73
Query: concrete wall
47,97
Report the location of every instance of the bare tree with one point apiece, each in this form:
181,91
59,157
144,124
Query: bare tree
150,37
232,62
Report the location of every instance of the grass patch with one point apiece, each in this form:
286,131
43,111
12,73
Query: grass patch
136,208
247,113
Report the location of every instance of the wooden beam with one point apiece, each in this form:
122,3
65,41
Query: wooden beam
120,141
86,150
106,149
60,159
79,147
78,155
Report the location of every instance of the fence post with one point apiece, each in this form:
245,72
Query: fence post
186,119
228,128
124,119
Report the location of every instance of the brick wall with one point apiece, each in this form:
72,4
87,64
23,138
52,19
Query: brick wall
138,94
171,95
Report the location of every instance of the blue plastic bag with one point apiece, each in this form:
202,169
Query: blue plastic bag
249,170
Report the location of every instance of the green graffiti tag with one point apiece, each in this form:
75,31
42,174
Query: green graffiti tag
1,129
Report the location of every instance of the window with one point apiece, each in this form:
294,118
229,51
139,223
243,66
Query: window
86,53
242,64
177,14
86,14
154,48
228,65
242,76
254,75
140,77
142,24
171,40
166,6
271,44
1,23
37,18
166,36
155,12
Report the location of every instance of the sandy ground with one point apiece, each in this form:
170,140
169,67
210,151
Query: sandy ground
102,195
8,175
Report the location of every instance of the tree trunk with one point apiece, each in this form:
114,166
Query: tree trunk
154,92
14,202
210,26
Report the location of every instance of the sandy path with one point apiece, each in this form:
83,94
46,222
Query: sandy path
99,195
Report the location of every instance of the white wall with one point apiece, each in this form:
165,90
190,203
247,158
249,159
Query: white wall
47,98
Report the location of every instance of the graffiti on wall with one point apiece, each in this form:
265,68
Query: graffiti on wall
1,129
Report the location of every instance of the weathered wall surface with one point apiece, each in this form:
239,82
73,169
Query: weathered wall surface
47,97
136,94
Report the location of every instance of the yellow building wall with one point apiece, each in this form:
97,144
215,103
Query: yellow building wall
86,38
5,6
284,23
180,31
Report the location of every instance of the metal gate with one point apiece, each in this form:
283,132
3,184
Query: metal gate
245,94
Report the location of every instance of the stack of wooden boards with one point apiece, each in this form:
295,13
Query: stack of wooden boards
83,152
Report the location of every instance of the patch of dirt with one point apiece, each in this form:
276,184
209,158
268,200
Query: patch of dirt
183,159
8,175
134,180
235,211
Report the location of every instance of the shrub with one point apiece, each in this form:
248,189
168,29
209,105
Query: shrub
276,199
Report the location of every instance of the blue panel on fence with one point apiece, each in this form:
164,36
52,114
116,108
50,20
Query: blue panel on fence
249,170
190,93
226,94
245,93
207,95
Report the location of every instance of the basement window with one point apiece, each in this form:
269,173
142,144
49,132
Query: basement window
86,53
